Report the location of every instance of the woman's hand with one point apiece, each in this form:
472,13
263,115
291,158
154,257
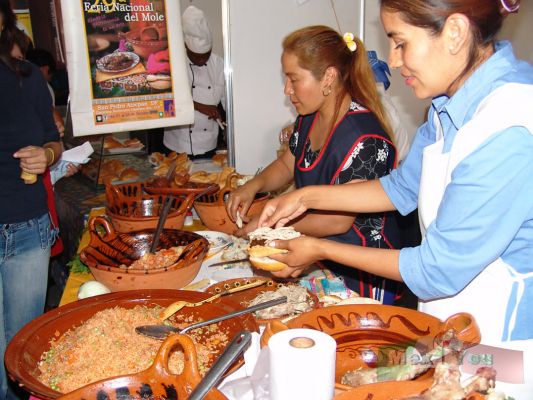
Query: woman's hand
283,209
72,169
249,227
33,159
240,200
303,252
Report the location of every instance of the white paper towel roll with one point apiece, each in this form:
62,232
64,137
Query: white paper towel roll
302,365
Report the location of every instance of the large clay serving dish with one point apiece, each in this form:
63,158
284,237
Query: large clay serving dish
372,335
25,349
108,250
244,297
156,382
131,209
211,208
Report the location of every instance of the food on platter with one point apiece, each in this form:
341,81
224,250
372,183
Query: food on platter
220,177
444,357
107,345
447,384
162,163
161,259
221,158
159,81
111,143
119,61
298,301
260,251
217,240
134,142
334,300
129,174
237,250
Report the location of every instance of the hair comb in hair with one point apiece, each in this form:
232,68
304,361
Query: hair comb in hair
349,40
510,8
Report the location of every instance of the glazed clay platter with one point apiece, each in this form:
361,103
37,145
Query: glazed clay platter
244,297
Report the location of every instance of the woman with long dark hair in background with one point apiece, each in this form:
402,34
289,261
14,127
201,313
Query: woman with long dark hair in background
29,142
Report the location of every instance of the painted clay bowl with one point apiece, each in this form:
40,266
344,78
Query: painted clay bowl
108,250
131,209
374,335
212,210
25,349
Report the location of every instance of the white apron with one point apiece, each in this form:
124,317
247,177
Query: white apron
487,296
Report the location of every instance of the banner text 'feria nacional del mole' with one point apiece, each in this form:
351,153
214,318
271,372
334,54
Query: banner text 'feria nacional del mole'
126,66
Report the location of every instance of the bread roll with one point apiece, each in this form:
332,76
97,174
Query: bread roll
111,143
129,174
259,250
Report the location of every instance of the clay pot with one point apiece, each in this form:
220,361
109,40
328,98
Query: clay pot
369,334
212,210
131,209
25,349
108,250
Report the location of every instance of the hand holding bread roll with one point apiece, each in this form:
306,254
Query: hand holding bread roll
259,250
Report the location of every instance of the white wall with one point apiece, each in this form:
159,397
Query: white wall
411,109
260,107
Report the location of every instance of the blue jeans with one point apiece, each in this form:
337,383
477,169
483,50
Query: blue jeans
24,257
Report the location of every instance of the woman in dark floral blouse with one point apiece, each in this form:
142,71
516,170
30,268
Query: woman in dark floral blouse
340,136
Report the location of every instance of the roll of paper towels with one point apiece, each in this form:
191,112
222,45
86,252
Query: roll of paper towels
302,365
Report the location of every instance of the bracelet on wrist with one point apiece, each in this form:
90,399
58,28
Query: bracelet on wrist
53,155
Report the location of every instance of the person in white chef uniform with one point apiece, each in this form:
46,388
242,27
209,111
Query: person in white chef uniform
469,171
206,77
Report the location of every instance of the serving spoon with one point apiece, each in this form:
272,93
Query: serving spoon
178,305
162,331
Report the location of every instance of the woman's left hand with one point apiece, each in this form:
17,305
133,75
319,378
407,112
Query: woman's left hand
32,159
303,252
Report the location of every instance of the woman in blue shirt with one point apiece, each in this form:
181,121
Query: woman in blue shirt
469,171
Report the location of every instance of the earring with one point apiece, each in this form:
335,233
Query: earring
328,88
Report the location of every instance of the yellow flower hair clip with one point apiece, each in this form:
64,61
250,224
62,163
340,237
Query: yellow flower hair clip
349,40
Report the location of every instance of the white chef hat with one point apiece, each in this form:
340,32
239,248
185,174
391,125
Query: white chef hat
196,32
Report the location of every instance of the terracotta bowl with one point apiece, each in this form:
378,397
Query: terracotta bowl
107,250
212,210
154,382
131,209
25,349
372,335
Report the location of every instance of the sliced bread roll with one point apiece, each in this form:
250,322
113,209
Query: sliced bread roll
259,250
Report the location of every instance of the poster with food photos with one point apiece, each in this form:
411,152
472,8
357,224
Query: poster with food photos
126,64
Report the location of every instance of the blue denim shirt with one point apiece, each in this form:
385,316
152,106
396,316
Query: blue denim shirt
487,211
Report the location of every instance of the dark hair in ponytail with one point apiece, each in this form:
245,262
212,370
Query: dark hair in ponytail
320,47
